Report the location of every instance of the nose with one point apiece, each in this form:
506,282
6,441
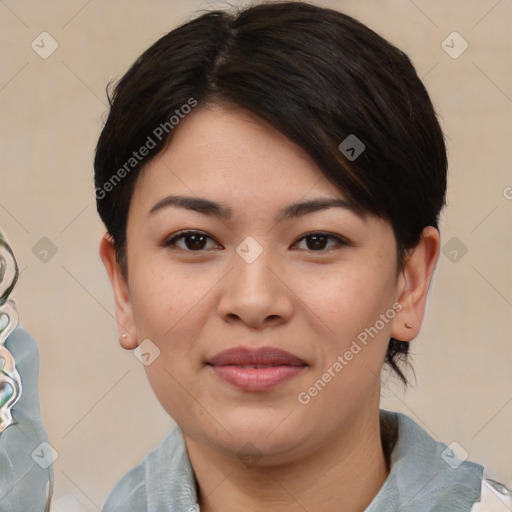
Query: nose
255,294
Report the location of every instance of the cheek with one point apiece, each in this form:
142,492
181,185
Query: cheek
353,338
169,309
352,344
348,299
167,301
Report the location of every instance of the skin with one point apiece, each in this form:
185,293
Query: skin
310,301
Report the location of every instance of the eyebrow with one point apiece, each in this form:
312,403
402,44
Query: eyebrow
211,208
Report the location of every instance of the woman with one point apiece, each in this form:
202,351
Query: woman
271,183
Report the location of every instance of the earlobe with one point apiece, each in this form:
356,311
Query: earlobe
413,284
124,314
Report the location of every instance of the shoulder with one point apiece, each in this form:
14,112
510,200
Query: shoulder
424,473
163,481
451,479
494,497
129,493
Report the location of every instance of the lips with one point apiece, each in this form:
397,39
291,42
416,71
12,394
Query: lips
265,356
256,369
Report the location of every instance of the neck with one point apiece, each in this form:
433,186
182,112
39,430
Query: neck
344,474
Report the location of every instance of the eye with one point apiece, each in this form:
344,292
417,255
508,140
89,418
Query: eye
191,241
321,241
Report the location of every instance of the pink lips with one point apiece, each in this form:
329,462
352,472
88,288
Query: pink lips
256,369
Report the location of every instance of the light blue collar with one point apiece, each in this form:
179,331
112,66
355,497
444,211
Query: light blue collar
425,476
420,479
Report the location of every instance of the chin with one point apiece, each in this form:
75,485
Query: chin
273,431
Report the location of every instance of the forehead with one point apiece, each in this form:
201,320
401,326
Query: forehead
233,155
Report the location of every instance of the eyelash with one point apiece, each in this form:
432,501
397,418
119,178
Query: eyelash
171,242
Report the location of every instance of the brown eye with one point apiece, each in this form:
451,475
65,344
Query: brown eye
320,241
194,241
316,242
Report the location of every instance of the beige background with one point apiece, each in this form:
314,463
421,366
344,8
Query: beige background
99,411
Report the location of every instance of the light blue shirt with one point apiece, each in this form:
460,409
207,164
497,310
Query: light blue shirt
420,480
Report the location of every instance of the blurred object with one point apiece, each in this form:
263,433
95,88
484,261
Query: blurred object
8,270
10,382
26,458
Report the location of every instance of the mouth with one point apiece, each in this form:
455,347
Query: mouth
256,369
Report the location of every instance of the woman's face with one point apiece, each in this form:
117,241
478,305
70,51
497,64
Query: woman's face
263,273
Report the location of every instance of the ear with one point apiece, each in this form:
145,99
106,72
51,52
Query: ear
413,285
124,313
